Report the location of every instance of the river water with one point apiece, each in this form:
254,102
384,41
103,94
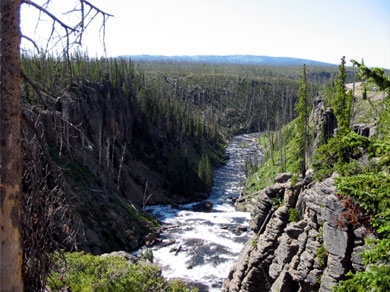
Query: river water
204,245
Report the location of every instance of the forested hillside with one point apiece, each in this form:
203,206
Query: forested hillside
237,98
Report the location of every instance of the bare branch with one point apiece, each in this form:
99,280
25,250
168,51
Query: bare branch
31,41
48,13
51,34
97,9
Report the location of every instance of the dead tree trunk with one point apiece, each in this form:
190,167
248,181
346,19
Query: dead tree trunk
11,251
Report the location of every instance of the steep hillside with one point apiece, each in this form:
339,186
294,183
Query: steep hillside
116,147
330,228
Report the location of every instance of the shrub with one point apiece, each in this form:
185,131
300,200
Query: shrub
88,273
371,192
293,215
322,255
340,154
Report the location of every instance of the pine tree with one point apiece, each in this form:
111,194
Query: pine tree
201,169
342,107
208,172
302,124
205,171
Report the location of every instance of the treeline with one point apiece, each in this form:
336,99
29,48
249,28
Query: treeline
316,74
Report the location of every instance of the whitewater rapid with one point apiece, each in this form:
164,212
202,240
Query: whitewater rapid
204,245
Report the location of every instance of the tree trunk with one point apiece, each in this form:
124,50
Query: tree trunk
11,251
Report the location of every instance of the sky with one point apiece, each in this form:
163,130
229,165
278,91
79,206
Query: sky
321,30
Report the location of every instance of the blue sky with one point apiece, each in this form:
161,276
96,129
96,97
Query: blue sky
322,30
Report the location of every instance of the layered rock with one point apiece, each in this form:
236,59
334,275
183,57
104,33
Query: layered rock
309,255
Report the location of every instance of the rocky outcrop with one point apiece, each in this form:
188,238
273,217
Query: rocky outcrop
366,130
311,254
323,122
129,257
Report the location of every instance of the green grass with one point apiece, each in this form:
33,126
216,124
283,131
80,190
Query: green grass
270,167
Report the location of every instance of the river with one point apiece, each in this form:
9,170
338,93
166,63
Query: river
204,245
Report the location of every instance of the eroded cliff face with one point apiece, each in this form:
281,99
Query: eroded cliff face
311,254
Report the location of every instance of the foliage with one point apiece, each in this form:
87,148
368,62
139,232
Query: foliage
266,171
205,171
294,215
366,198
322,255
378,76
45,200
302,122
321,252
85,272
342,101
169,134
251,165
277,202
367,202
340,154
370,190
254,241
240,98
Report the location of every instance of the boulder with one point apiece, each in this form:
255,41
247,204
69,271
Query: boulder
129,257
282,177
150,239
205,206
275,190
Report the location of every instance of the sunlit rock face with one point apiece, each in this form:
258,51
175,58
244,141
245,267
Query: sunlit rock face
311,254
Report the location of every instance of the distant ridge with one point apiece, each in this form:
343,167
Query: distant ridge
229,59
